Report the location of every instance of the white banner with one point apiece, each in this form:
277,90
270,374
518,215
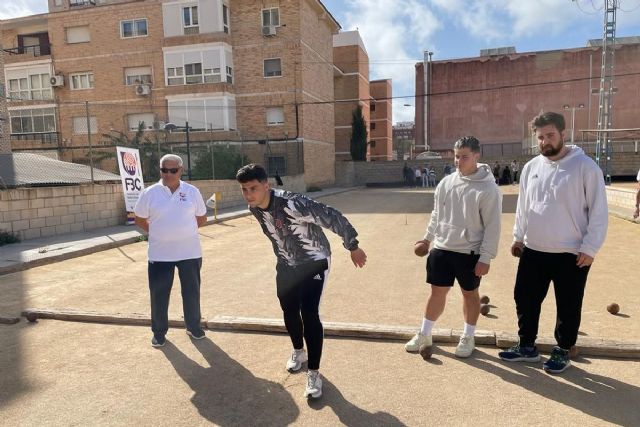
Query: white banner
131,174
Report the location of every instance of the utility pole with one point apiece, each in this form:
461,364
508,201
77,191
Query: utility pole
605,107
426,65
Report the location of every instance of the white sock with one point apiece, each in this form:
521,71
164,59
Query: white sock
469,330
427,326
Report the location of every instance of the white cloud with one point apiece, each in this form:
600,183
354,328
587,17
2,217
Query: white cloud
386,30
10,10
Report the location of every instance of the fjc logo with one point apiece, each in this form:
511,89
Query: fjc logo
129,163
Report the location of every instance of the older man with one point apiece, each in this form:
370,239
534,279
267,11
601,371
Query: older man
171,212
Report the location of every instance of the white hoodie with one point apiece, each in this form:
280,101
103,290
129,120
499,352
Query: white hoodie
466,214
562,206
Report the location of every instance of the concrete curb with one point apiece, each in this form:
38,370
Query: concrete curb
585,346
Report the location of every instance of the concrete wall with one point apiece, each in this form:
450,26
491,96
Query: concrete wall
622,197
48,211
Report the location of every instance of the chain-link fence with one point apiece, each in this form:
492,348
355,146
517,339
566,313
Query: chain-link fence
88,133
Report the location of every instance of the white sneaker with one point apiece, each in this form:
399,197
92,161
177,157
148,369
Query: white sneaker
314,385
294,363
418,340
465,346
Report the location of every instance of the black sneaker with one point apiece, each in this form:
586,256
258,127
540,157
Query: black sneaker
558,362
158,341
197,335
520,354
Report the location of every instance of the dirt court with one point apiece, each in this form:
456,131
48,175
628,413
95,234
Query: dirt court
63,373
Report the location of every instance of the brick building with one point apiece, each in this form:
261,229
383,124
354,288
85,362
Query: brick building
250,72
495,96
352,88
5,143
381,145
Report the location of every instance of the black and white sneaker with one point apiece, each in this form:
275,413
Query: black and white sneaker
196,335
158,341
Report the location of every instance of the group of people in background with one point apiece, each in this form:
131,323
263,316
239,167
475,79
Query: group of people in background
424,177
507,175
560,224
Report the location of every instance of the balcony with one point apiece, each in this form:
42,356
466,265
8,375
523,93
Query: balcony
40,137
80,3
34,50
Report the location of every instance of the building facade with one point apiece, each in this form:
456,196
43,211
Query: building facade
255,73
381,139
404,137
5,142
496,95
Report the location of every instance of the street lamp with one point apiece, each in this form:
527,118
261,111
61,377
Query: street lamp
573,118
169,127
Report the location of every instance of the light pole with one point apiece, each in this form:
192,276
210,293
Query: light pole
573,118
171,127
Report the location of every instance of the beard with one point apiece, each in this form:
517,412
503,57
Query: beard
551,151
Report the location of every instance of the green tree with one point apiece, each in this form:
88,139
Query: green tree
226,162
358,136
150,147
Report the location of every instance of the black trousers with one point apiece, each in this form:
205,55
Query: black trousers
160,284
299,291
535,272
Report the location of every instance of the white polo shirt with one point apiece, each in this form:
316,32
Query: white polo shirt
173,229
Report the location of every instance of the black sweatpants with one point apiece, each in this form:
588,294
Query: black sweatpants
535,272
299,291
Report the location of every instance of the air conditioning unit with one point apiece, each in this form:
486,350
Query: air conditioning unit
142,90
57,81
269,30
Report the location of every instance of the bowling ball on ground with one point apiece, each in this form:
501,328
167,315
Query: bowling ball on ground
484,309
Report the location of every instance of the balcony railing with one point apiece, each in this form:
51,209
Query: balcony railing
35,50
76,3
44,137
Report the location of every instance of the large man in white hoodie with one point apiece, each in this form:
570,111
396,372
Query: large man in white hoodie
464,229
561,222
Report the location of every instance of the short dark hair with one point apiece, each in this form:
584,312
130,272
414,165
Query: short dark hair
250,172
470,142
549,118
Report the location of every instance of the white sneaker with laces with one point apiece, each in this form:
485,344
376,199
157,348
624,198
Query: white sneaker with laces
294,363
417,341
466,346
314,385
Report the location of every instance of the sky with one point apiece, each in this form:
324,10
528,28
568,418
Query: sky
397,32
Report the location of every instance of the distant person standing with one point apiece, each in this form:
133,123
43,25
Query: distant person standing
515,167
432,177
496,172
636,213
425,177
418,177
561,223
171,212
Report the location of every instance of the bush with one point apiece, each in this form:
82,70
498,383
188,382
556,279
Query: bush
7,237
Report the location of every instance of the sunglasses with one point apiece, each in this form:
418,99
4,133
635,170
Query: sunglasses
170,170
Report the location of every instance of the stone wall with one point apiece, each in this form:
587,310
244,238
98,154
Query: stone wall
47,211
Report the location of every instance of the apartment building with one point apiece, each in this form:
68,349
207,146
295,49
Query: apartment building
5,143
249,72
381,111
404,136
495,95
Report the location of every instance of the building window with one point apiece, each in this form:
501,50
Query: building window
190,19
225,18
133,28
212,75
372,107
272,67
193,73
81,81
271,17
372,144
229,75
137,75
275,116
175,76
78,34
204,114
35,86
373,126
80,125
135,120
37,120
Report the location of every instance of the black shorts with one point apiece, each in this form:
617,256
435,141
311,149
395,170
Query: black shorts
444,267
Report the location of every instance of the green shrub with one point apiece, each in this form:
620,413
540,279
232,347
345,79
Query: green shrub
7,237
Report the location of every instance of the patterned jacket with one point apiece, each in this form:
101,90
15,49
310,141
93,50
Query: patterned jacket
293,223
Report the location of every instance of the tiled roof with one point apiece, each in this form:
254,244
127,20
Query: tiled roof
26,169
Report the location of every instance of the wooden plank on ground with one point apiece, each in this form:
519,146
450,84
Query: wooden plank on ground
8,320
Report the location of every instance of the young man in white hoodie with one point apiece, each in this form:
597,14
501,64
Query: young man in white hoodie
464,229
561,223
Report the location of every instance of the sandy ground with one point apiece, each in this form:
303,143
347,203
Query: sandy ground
69,374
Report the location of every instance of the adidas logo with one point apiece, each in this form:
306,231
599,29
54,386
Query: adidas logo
317,277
